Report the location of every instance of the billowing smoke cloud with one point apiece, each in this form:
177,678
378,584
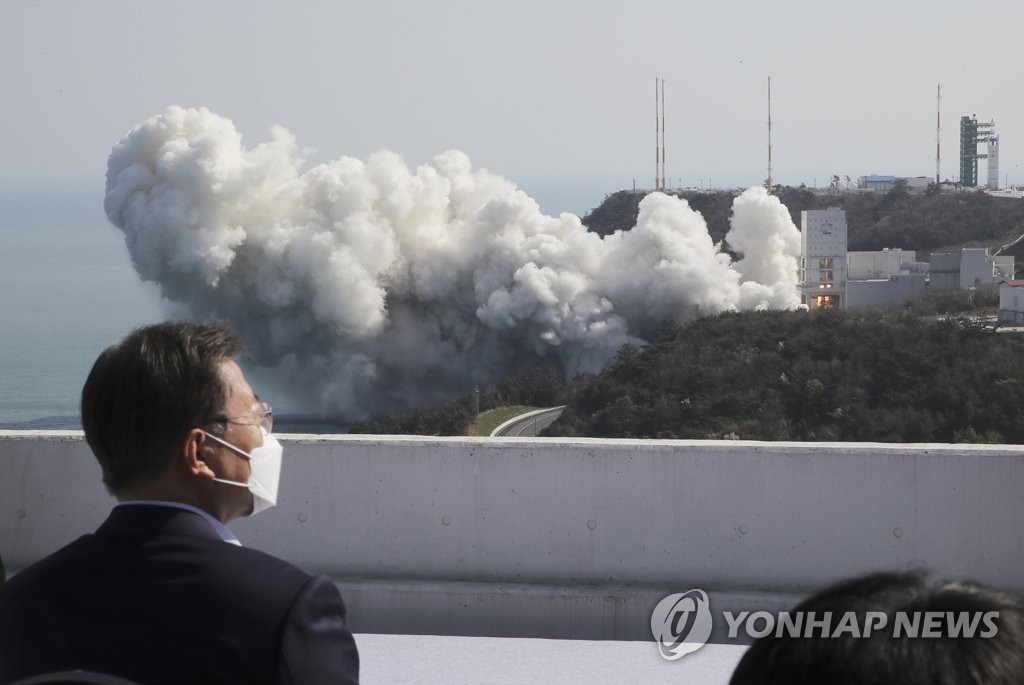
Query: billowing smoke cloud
378,287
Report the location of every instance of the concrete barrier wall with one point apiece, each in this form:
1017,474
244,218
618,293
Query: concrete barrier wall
576,538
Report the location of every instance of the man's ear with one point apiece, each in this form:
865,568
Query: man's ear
194,452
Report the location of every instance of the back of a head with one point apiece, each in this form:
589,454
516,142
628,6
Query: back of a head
144,394
882,657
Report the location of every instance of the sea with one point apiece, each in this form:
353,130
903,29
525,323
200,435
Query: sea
68,290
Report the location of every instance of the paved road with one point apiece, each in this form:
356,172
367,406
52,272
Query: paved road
529,424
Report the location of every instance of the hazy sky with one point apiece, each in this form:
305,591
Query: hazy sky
530,90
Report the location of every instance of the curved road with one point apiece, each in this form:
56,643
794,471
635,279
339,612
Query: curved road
529,424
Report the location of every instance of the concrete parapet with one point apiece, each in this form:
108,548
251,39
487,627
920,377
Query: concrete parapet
576,538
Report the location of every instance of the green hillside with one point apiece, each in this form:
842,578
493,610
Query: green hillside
922,222
824,375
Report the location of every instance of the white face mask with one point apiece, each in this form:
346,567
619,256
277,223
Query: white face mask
264,471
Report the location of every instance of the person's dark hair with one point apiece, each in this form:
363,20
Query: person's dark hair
882,658
144,394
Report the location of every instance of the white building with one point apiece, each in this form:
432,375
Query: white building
972,267
883,184
918,184
944,272
892,261
887,293
978,268
993,163
877,184
1011,302
887,278
823,257
832,277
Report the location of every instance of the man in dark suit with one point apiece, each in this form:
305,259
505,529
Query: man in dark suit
163,592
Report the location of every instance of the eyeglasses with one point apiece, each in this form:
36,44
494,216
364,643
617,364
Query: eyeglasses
266,418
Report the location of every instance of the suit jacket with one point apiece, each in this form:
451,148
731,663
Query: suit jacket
157,597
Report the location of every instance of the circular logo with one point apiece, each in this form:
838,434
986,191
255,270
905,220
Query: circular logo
681,623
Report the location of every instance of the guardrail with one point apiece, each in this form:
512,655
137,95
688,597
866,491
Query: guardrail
546,416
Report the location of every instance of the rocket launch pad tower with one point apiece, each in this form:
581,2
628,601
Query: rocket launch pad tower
973,132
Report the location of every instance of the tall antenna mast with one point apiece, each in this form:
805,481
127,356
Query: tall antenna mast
938,138
657,135
663,184
769,134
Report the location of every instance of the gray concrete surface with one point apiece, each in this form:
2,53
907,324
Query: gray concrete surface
576,538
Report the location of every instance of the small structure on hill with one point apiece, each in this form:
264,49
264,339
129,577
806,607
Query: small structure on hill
885,278
972,267
1011,302
830,276
877,184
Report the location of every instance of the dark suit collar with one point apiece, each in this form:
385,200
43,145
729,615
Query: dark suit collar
147,519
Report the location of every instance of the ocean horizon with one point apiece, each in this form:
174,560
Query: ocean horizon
69,290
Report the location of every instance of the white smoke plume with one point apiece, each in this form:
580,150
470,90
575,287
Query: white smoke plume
763,232
379,287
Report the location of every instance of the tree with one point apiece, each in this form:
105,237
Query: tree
900,190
